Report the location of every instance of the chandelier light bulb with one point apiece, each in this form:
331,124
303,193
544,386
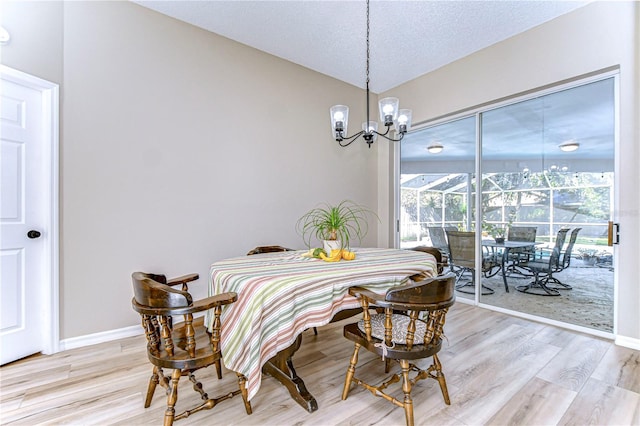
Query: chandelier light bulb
338,116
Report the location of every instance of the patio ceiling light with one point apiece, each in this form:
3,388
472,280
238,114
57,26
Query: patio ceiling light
569,146
436,148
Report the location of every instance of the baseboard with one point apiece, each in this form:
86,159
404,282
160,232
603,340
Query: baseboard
105,336
628,342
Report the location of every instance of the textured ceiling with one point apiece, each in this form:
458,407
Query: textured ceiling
408,38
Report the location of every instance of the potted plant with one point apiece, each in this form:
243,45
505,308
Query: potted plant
589,256
334,225
496,231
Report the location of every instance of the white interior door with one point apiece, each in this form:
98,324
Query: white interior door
25,220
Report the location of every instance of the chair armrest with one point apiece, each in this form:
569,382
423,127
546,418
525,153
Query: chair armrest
206,304
197,306
372,297
183,279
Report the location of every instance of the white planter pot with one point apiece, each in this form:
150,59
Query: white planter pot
329,245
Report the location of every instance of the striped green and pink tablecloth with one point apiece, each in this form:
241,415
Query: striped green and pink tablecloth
282,294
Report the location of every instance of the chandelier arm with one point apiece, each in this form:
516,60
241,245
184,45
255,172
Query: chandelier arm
350,139
384,135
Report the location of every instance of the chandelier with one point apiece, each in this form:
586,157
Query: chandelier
389,115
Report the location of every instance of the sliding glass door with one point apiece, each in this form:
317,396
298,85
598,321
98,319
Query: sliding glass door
547,188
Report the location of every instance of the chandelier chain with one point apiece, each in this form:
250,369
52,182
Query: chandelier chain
368,50
369,128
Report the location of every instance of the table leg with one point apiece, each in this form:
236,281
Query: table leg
281,368
505,256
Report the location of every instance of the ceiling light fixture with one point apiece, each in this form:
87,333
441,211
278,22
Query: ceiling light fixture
4,36
436,148
389,114
569,146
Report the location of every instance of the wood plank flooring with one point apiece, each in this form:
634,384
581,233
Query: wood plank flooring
500,370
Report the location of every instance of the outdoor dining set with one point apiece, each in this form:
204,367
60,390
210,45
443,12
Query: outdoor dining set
519,256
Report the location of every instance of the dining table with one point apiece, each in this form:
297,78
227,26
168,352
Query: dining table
282,294
501,251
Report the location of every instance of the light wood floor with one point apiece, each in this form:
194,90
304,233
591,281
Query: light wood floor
499,369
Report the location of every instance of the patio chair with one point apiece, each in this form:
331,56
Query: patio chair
565,262
543,269
462,260
438,239
518,257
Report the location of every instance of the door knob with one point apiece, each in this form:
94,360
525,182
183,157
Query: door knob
33,234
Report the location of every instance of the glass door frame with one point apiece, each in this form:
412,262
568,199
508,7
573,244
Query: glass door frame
477,217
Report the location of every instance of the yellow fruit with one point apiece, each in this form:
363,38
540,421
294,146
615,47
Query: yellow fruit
318,251
348,255
330,259
336,252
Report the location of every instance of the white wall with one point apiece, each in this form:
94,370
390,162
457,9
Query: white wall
592,38
179,148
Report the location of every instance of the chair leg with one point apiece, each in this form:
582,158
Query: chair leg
539,283
172,398
218,369
153,381
558,285
441,380
350,372
406,389
242,384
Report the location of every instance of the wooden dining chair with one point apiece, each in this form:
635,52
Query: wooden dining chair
436,253
176,341
267,249
410,329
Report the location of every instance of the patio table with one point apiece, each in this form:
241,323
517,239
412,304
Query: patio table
505,247
282,294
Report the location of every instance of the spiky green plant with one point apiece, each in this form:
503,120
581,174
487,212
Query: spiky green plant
342,222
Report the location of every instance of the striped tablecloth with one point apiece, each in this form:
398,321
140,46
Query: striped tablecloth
282,294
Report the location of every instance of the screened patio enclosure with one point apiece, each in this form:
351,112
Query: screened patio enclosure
548,200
